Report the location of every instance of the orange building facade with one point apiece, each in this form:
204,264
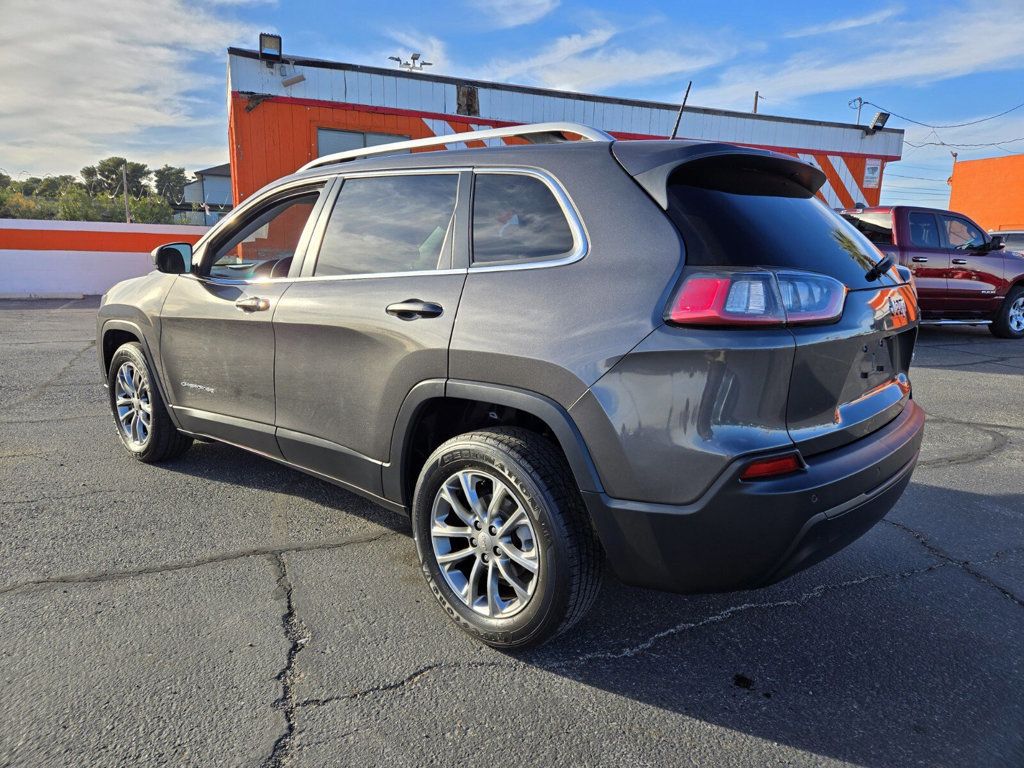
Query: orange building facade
990,191
282,114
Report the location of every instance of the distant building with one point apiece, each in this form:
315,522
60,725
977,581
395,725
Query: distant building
990,191
208,198
282,114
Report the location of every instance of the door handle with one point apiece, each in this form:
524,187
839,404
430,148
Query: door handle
919,259
410,309
253,304
959,261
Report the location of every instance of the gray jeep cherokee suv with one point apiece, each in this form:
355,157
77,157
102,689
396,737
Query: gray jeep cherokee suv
664,353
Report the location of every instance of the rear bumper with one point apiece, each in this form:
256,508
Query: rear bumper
741,535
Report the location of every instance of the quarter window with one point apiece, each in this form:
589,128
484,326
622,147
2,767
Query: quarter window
390,224
961,234
517,218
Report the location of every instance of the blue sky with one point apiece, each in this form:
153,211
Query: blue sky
146,79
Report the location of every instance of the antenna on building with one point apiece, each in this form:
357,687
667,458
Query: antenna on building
414,63
679,117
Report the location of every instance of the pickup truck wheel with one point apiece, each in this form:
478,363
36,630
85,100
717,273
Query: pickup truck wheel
503,537
141,418
1009,320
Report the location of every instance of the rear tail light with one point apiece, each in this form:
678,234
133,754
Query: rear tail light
756,298
773,467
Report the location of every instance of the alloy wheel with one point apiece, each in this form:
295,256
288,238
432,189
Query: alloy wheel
1016,318
133,405
484,543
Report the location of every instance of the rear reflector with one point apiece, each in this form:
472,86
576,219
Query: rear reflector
773,467
764,297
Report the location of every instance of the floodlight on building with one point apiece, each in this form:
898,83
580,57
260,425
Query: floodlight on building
270,48
415,62
879,121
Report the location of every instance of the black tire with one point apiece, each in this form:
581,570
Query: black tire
1001,325
163,441
569,555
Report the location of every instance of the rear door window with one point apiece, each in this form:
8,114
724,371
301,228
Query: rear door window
1014,242
516,218
924,230
384,224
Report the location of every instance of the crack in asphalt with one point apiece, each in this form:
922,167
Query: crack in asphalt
965,565
50,421
730,612
298,635
998,441
50,381
108,576
408,680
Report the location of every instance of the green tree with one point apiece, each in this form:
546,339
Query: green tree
5,180
151,209
47,186
15,205
105,177
170,183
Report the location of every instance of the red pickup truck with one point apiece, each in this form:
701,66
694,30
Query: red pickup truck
963,275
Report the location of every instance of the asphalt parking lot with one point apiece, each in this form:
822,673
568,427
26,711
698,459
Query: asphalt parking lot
226,610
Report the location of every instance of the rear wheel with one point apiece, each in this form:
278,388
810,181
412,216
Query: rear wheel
503,538
141,418
1009,320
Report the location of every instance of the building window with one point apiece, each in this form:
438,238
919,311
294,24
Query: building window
329,141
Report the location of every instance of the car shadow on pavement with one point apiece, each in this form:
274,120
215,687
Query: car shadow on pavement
891,653
224,463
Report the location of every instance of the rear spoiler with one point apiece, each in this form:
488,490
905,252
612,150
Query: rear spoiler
652,163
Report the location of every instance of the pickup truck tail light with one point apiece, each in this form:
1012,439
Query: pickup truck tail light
756,298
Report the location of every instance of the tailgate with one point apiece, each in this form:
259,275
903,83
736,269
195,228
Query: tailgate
851,378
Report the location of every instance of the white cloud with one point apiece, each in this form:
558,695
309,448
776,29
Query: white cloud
842,25
84,80
594,60
931,47
504,13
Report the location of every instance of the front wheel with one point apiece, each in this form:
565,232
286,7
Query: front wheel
1009,320
503,537
141,418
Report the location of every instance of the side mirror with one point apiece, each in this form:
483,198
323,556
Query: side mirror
996,243
173,258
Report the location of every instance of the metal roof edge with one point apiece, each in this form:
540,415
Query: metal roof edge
533,90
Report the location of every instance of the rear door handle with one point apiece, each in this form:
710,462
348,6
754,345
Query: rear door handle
959,261
253,304
410,309
919,259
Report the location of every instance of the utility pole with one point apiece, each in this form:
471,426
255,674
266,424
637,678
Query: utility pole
124,183
757,96
858,103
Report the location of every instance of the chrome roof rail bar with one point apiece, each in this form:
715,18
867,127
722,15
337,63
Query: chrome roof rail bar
537,133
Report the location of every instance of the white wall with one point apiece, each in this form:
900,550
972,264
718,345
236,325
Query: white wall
38,259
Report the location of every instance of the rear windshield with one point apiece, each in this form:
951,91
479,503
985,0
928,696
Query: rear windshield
876,227
778,224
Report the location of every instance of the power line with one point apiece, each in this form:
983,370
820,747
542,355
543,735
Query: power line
951,125
941,143
919,178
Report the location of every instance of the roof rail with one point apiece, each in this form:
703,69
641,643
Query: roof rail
537,133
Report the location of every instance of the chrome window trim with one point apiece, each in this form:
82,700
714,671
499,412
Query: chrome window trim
581,242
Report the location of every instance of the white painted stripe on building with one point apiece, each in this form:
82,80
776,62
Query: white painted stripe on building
68,273
826,189
848,179
443,128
